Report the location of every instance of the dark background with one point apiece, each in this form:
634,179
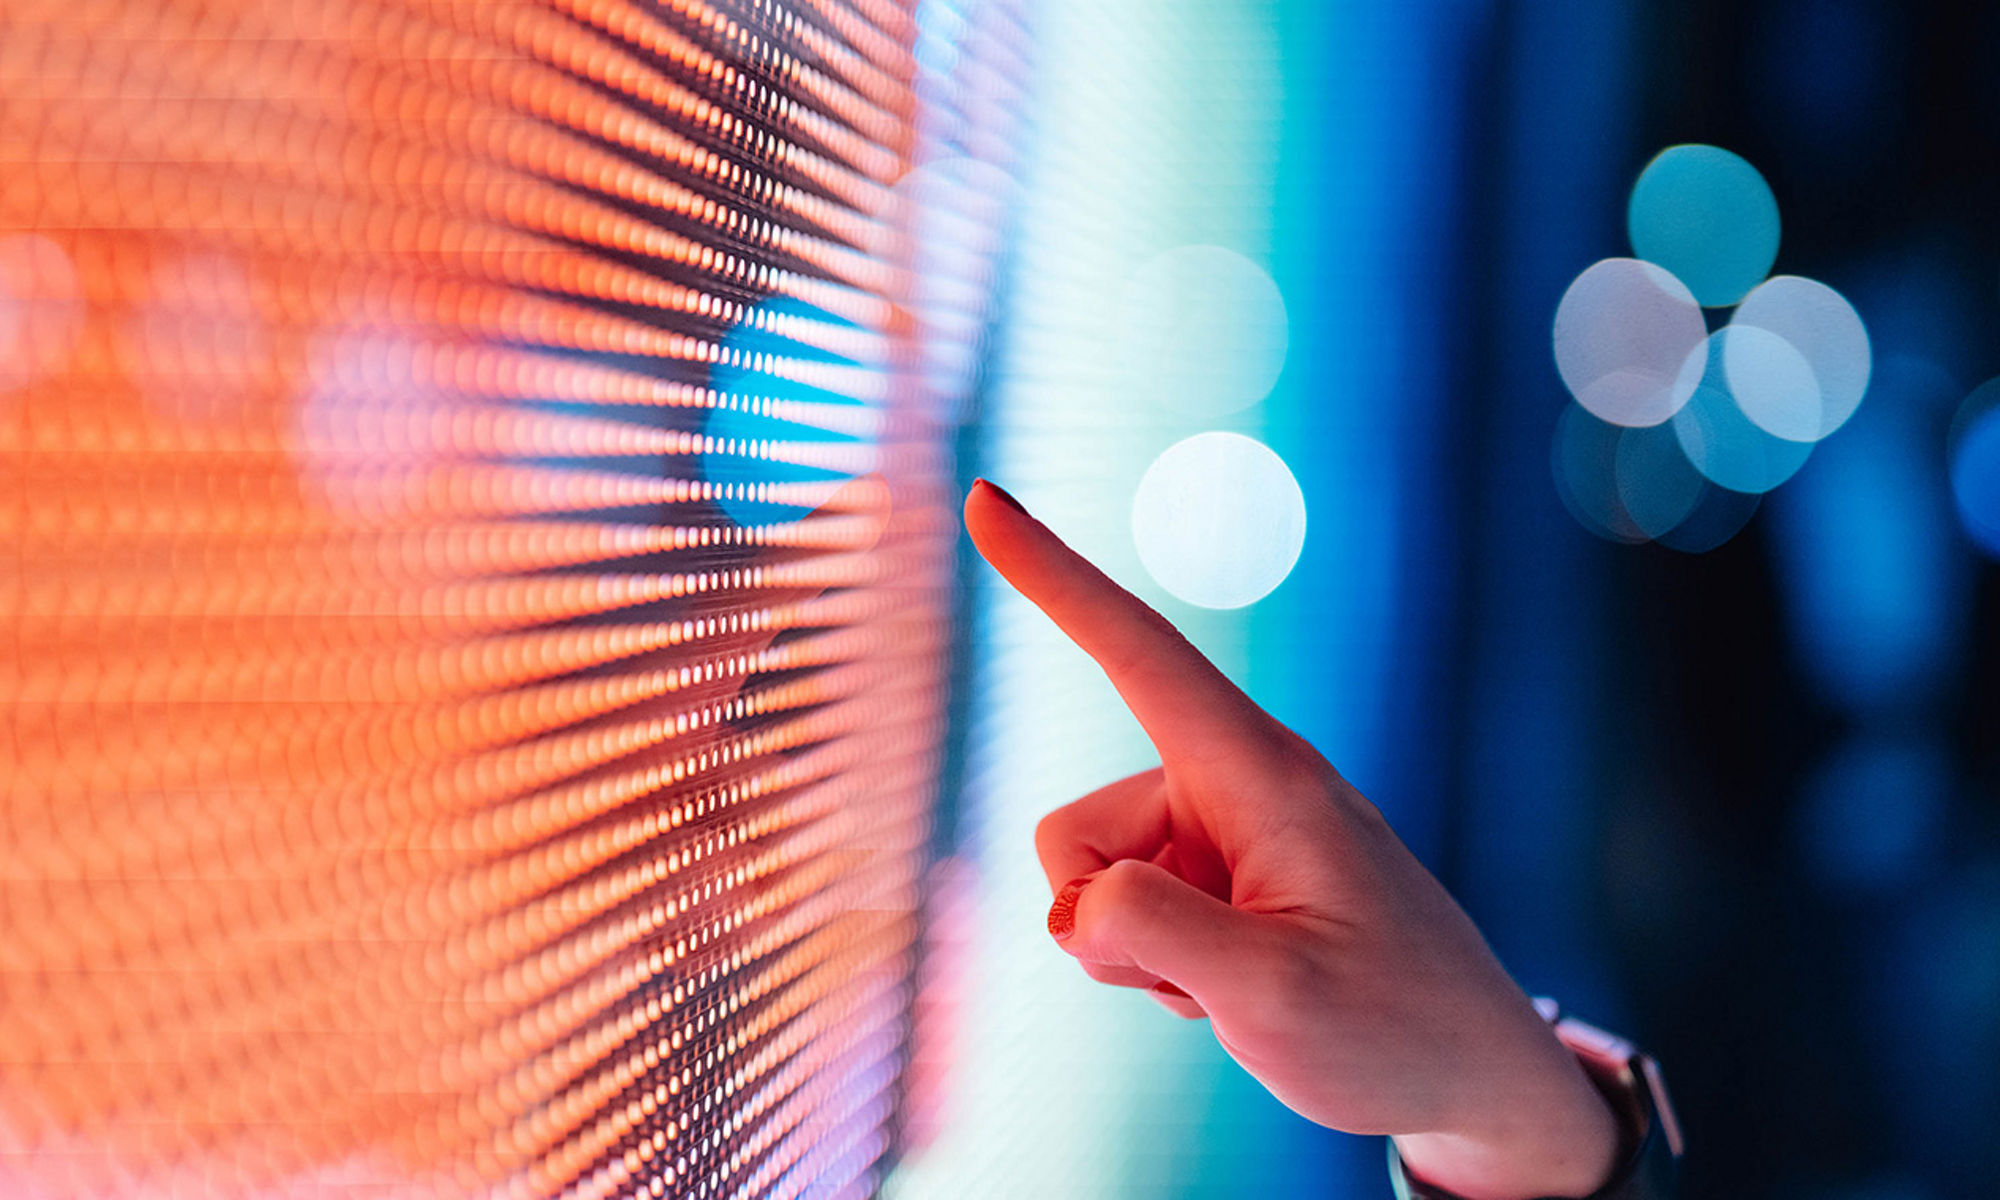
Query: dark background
1775,855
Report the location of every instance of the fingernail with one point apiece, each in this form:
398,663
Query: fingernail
1004,494
1062,913
1167,989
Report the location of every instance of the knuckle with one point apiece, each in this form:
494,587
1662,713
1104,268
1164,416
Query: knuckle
1118,894
1049,832
1122,881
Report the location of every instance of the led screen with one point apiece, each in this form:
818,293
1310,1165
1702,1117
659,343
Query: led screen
474,567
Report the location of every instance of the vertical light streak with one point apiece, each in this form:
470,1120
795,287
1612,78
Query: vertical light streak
1156,122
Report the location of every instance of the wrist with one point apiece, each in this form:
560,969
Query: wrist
1533,1126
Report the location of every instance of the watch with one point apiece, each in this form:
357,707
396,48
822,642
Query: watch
1631,1081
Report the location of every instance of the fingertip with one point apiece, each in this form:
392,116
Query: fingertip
1000,528
971,511
975,497
1062,910
986,503
994,490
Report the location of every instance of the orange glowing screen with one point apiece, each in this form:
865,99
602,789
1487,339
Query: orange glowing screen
475,543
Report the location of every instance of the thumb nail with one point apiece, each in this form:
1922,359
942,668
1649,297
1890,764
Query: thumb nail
1062,913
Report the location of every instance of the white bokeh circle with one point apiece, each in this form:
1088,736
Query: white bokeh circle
1218,520
1202,331
1624,334
1826,333
1772,382
1716,432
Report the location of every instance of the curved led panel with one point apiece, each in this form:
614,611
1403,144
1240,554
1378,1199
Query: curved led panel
474,548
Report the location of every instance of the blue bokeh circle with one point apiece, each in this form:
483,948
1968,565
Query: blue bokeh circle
1706,215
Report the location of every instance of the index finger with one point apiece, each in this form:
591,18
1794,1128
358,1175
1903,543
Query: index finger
1185,704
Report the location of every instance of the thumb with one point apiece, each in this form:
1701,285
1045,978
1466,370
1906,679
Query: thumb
1139,916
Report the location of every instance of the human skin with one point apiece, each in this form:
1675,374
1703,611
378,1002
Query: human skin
1244,881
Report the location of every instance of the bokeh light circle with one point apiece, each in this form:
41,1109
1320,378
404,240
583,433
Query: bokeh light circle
1873,813
1975,466
1826,332
1724,444
1218,520
1772,382
41,308
1583,457
1708,216
351,375
1203,331
1624,334
1657,486
201,313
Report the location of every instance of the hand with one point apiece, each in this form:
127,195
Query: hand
1245,881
